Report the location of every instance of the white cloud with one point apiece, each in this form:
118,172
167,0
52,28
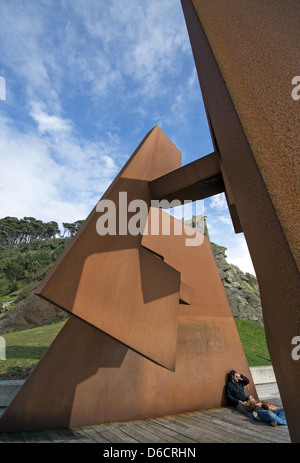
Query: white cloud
221,232
23,32
225,219
51,123
139,43
218,202
238,254
33,183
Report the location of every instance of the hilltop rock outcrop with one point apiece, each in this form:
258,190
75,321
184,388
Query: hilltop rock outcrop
241,288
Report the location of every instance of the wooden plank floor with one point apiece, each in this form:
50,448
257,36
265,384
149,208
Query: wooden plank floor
210,426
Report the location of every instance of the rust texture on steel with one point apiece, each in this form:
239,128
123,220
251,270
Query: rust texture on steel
194,181
150,331
246,55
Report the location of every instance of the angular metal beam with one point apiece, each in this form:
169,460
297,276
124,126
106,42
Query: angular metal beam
197,180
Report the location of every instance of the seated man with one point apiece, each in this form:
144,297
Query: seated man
255,410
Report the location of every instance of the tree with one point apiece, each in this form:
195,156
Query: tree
14,270
51,229
72,228
10,230
29,230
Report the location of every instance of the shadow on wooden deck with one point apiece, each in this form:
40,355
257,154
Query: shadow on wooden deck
222,425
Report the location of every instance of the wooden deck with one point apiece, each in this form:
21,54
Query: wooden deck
222,425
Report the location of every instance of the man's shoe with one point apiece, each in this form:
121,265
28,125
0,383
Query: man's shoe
256,417
273,423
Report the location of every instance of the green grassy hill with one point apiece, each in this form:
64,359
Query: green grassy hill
22,267
25,348
254,342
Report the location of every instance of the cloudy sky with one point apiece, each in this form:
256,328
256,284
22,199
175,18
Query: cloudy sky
85,80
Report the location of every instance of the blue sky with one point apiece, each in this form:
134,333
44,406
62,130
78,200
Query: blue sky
85,81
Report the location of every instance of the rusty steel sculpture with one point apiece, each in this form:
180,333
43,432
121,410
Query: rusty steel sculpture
150,330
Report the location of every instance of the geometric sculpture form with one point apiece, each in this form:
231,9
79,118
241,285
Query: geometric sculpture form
111,281
150,329
246,57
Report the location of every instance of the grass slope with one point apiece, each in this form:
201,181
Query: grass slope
254,342
25,348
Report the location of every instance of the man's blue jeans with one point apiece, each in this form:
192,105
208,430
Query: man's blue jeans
266,415
240,408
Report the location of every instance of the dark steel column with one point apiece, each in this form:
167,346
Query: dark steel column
246,54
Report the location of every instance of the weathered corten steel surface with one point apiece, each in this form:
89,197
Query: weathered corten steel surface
256,46
246,54
195,181
86,377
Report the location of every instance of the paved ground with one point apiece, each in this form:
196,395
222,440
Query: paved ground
210,426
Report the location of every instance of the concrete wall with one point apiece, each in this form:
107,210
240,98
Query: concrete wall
263,375
8,390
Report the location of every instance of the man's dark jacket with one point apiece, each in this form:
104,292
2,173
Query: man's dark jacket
235,391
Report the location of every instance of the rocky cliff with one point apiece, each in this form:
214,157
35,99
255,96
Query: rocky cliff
241,288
